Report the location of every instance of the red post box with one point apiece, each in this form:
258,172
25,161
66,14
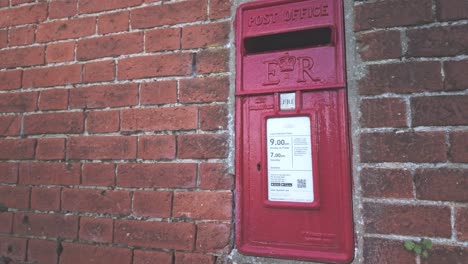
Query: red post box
292,150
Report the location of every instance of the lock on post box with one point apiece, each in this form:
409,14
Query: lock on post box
293,180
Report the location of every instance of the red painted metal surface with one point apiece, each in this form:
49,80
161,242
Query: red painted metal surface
321,230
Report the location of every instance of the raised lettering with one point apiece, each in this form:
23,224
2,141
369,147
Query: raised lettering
272,78
305,66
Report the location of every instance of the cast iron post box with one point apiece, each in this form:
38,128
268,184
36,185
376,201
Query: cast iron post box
293,180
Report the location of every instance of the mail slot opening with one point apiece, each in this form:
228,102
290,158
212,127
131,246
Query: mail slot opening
288,40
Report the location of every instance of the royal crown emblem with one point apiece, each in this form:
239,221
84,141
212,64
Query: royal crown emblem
287,63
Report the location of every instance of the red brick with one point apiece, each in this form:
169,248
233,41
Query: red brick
17,149
459,147
461,225
98,174
4,3
203,205
103,121
438,41
151,257
204,90
99,71
22,36
56,99
385,112
204,146
177,64
10,80
45,199
214,238
19,2
48,225
160,119
60,52
213,61
66,29
220,8
52,76
403,78
109,46
42,251
164,175
193,258
92,254
18,102
162,39
10,125
159,205
160,92
213,117
392,13
96,229
403,147
50,149
13,248
414,220
172,235
23,15
96,201
206,35
6,222
379,45
387,183
215,176
91,6
8,172
383,251
113,22
54,123
451,9
161,147
16,197
442,184
115,147
62,8
29,56
159,15
455,75
49,173
447,254
3,35
103,96
439,110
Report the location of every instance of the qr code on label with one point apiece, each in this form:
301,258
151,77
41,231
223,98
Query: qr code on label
301,183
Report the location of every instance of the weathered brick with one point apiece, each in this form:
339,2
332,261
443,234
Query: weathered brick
48,225
66,29
8,172
385,112
29,56
461,225
98,174
415,220
164,175
451,9
109,46
175,13
203,205
177,64
42,251
150,257
194,258
379,45
204,90
113,22
96,201
92,254
13,248
114,147
442,184
439,110
160,92
16,197
455,75
91,6
62,8
213,61
203,146
54,123
60,52
45,199
10,125
4,3
55,99
23,15
206,35
447,254
438,41
403,78
387,183
103,121
52,76
459,147
213,117
403,147
10,80
49,173
3,35
162,39
99,71
103,96
17,149
383,251
18,102
96,229
159,119
50,149
213,237
6,222
21,36
161,147
392,13
19,2
160,205
220,8
215,176
170,235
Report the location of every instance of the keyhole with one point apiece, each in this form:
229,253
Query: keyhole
259,167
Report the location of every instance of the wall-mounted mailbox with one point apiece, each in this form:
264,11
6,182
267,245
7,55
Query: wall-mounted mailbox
292,149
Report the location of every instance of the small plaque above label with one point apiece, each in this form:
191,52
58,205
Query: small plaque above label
287,101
